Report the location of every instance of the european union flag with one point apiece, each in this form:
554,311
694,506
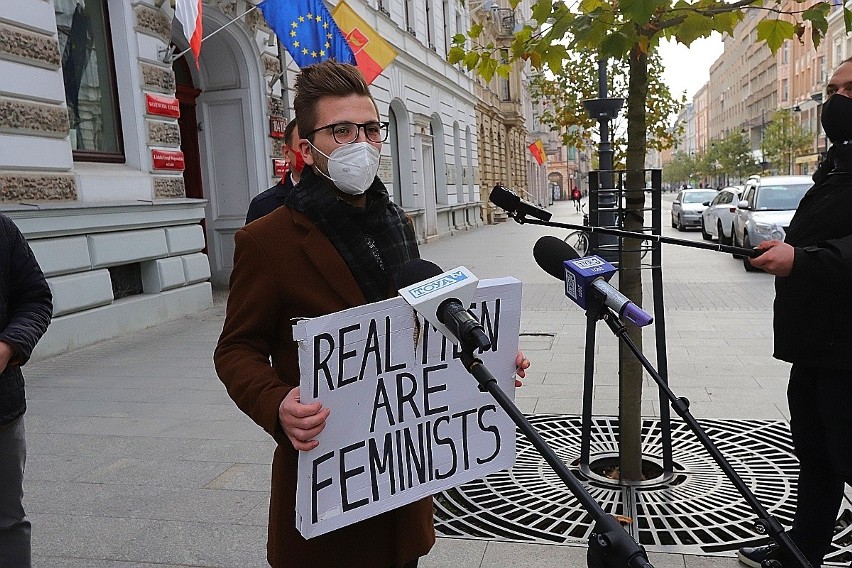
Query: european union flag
306,29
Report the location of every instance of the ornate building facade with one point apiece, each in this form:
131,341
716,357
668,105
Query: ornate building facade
129,166
504,116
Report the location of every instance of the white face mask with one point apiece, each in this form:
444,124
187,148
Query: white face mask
352,167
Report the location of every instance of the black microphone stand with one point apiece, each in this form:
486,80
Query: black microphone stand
765,522
740,251
609,545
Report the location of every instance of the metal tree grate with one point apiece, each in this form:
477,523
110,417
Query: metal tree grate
697,511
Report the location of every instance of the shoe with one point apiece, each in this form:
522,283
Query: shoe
753,556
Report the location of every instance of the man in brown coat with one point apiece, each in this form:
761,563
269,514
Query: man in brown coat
337,243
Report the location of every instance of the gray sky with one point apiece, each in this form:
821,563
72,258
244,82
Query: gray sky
687,69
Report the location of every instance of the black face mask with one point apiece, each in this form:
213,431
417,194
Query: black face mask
837,118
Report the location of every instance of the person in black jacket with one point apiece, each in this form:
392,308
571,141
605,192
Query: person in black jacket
268,201
813,331
25,310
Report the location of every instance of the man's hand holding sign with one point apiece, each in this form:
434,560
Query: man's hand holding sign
386,413
302,422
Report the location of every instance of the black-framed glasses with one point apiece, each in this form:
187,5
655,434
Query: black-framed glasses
347,132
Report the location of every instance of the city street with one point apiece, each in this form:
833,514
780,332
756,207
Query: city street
138,458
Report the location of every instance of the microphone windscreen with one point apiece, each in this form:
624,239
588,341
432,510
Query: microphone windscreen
504,199
414,271
550,252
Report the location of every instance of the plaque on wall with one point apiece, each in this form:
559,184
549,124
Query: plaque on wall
451,173
277,124
167,160
385,172
162,105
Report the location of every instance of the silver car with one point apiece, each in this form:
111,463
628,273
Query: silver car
718,217
766,208
688,205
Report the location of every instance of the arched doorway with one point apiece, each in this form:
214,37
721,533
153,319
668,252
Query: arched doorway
557,181
187,94
226,131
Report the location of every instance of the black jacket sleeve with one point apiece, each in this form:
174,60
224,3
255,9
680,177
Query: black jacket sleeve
30,304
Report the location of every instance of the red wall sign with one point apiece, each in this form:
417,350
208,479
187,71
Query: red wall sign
167,160
162,105
279,168
277,124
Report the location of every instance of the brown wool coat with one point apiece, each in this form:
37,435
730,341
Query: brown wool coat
285,268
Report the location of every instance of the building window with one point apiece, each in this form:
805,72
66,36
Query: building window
409,20
89,77
505,92
429,41
448,33
785,90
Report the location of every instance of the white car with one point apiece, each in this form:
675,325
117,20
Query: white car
688,205
718,217
766,209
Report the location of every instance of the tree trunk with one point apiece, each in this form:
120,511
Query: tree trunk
630,275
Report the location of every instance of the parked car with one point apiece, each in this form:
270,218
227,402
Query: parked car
765,210
718,215
688,205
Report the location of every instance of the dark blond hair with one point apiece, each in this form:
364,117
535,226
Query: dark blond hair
325,79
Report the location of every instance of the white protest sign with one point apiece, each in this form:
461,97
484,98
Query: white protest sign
407,419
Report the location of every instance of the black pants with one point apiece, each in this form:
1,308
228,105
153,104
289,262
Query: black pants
821,424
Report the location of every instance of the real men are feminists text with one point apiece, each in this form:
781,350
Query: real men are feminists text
414,437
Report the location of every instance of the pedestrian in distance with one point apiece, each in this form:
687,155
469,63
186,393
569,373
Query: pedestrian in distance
268,201
26,307
576,196
813,331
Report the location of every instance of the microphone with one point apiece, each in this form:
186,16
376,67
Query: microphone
441,297
586,276
505,199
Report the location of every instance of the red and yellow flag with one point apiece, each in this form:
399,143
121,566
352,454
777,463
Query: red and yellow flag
537,150
372,53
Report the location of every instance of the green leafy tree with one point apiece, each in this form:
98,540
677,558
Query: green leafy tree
630,31
564,93
726,161
784,140
707,165
680,169
736,158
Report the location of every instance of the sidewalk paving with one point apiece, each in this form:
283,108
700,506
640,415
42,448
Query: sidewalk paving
138,458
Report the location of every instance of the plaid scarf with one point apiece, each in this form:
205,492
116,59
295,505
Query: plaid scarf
374,241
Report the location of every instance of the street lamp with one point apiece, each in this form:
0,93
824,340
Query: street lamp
817,98
798,108
763,163
795,108
604,109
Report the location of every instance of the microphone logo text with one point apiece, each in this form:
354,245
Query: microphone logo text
438,284
587,262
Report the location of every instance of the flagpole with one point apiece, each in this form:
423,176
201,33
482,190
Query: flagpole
169,56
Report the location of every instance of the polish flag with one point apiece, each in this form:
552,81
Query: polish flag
188,13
